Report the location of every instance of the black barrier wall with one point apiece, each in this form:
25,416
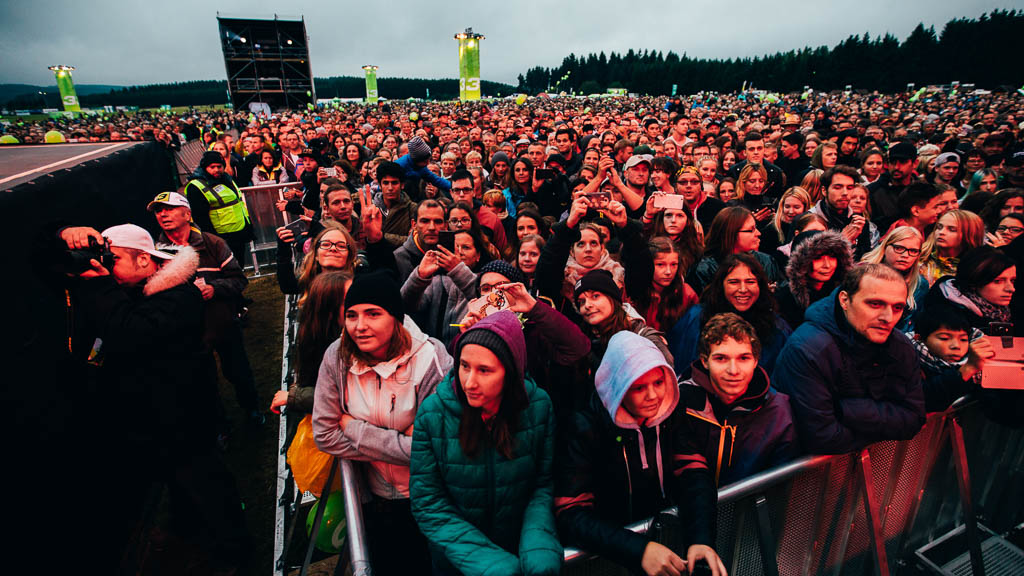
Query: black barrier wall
46,408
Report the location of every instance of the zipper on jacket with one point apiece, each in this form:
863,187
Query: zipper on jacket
392,402
388,476
731,431
490,488
629,484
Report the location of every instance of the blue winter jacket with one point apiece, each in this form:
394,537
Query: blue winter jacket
847,392
413,172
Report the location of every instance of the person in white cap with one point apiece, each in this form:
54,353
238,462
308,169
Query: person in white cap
222,282
156,407
136,258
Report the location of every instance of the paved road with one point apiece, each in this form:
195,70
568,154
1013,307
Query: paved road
19,164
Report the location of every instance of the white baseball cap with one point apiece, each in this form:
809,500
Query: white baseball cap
168,199
132,236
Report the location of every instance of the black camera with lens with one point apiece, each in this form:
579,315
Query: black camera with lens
77,261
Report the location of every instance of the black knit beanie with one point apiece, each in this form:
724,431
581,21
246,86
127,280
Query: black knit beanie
501,267
211,157
599,281
378,288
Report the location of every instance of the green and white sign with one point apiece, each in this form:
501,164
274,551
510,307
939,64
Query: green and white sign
66,87
371,84
469,64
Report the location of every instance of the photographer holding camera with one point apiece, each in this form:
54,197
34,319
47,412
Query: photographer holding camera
142,314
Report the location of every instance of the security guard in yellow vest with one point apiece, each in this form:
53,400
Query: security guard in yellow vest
217,204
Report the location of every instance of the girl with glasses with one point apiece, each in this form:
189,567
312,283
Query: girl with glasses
332,249
901,250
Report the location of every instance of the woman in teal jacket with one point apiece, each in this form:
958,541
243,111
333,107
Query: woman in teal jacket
481,481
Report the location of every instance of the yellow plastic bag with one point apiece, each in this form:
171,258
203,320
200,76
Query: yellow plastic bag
310,467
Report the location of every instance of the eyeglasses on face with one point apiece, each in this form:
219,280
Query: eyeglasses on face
328,245
905,250
1011,229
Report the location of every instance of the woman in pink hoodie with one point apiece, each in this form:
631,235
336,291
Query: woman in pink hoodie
371,384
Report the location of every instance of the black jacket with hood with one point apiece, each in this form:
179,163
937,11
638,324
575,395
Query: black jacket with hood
847,392
752,434
795,297
615,470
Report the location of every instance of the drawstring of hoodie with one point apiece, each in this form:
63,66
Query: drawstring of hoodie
643,455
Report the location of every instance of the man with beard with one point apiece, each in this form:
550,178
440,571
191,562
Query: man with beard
217,204
884,192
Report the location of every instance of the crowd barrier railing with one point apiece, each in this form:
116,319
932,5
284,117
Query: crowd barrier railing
261,201
937,501
879,510
187,159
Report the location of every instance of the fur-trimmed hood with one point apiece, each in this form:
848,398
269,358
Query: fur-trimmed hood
799,268
179,270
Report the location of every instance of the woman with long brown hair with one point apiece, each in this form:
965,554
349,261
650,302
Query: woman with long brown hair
655,286
733,230
321,320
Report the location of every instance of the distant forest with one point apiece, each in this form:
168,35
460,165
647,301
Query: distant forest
206,92
984,51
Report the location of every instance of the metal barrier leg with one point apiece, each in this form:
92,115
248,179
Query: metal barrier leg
966,501
766,537
931,454
871,513
317,519
847,522
814,545
354,520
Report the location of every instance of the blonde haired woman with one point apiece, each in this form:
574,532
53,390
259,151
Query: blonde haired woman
777,231
901,250
956,232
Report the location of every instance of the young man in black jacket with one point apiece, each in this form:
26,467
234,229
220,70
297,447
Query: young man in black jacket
628,457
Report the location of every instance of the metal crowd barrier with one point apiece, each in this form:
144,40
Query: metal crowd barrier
266,219
287,499
187,159
260,200
887,509
882,510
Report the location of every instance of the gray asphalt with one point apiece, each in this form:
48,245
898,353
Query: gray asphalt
19,164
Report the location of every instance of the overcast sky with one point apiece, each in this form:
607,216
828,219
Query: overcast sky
145,41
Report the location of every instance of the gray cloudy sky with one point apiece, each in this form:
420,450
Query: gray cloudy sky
145,41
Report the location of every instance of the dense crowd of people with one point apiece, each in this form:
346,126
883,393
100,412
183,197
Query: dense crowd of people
536,324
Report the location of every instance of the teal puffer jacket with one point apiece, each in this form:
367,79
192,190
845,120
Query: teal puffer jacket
488,515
